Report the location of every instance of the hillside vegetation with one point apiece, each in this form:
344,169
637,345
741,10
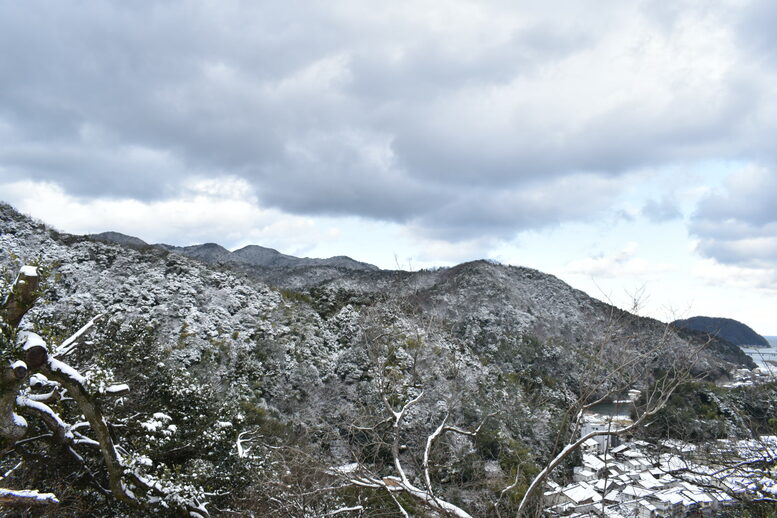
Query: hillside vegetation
725,329
255,388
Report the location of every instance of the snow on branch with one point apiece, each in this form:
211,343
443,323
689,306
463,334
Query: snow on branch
26,497
438,432
355,508
50,377
396,484
21,297
117,390
51,418
125,485
69,345
358,476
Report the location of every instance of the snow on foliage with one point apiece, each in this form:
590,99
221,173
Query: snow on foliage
295,370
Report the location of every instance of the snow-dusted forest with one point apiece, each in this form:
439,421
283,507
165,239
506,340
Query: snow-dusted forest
139,381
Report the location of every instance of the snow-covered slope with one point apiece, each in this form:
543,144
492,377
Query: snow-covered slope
258,256
287,351
248,257
118,237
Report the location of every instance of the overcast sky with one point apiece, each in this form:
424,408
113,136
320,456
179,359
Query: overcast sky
626,147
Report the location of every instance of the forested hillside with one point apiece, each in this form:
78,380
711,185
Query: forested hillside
302,390
725,328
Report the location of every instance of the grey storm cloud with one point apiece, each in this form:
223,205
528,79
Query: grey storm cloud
756,30
459,118
738,225
464,215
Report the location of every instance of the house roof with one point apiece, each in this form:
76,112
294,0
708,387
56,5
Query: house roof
581,493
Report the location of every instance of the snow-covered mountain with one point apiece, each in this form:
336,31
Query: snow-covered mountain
251,256
299,351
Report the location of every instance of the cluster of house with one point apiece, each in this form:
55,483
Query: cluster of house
623,481
746,377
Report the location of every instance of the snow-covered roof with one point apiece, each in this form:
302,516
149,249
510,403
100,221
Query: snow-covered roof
603,485
593,462
672,496
648,481
636,491
620,448
582,492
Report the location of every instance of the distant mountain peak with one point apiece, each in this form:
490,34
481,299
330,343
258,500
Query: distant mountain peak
726,328
119,238
249,255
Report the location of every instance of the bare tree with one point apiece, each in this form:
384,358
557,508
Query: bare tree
735,461
611,369
742,469
621,360
399,482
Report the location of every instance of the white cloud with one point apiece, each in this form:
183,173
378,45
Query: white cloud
224,211
622,263
737,225
439,252
721,275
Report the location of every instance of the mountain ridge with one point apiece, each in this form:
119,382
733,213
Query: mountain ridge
530,306
250,255
224,350
728,329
